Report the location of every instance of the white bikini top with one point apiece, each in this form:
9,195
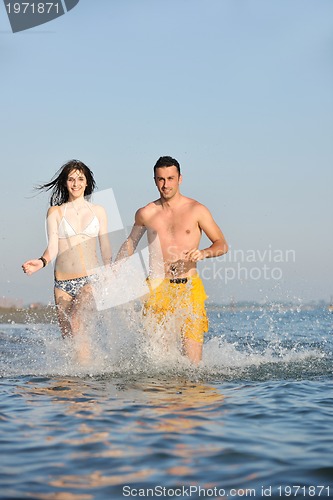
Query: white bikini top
66,230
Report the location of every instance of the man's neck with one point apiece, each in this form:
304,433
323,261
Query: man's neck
172,202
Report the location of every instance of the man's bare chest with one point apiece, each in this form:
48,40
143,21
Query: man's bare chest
174,225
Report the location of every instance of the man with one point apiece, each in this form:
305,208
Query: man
174,224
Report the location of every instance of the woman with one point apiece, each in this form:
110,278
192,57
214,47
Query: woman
73,226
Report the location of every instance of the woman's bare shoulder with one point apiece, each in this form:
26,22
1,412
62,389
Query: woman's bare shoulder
99,210
55,210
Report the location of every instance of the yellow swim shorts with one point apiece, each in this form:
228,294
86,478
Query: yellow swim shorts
186,299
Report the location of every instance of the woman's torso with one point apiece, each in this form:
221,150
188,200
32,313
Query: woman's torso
77,249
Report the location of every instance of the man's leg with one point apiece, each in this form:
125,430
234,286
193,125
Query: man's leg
195,319
193,350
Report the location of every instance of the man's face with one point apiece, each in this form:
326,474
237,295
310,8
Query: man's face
167,180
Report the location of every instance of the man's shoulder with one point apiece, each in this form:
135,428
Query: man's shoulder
197,210
144,213
193,204
151,207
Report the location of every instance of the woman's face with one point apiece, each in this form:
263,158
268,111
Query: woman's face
76,184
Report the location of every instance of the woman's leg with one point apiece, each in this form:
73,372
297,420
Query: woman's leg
64,303
82,310
81,322
74,316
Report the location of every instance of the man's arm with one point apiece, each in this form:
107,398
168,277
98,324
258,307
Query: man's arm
208,225
128,247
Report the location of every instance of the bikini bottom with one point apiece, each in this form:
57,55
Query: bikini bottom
73,286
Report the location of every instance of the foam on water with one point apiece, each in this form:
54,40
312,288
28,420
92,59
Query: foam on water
115,343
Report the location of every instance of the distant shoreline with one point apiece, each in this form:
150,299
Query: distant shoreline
13,315
48,314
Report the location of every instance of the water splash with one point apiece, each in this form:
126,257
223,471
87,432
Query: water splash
239,346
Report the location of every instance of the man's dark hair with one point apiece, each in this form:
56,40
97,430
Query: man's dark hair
166,161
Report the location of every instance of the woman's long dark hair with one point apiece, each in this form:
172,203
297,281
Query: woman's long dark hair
58,183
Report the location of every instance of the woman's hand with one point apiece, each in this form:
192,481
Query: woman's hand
31,266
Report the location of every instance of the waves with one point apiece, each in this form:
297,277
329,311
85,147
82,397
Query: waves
254,416
258,345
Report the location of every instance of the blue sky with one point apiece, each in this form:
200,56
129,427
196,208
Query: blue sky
239,91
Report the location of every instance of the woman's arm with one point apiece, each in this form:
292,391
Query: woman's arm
103,237
31,266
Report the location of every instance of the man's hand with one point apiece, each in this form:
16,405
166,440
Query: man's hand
194,255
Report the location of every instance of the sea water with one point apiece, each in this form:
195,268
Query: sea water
253,420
